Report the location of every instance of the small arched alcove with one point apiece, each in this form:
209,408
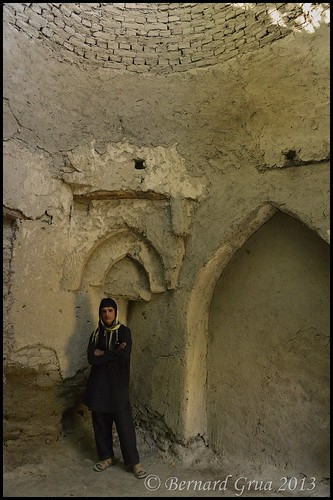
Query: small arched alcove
94,265
268,354
129,279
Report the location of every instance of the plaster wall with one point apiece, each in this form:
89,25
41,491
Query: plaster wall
224,148
267,353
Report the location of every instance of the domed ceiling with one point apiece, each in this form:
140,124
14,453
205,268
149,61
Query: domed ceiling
160,37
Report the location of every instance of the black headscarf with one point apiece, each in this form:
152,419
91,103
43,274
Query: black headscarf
107,302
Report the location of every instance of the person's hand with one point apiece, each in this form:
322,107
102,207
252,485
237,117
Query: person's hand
98,352
121,346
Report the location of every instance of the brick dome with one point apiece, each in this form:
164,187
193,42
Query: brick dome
160,37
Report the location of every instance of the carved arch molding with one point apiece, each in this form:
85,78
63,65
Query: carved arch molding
123,260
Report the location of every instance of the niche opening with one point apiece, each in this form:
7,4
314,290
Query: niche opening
139,164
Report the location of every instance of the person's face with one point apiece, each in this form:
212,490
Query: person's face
108,315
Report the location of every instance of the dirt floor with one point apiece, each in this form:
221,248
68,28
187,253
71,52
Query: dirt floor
64,469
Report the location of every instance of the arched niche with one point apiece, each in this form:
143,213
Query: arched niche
129,279
195,417
268,351
92,267
196,406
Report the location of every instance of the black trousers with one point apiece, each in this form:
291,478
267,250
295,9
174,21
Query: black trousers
102,424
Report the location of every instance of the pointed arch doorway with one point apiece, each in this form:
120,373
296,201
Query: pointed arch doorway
267,388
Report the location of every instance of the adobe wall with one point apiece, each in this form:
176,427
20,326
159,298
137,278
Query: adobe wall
143,186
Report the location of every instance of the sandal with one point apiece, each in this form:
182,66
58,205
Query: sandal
139,471
104,464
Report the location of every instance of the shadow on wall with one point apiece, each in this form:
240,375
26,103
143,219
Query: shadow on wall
76,419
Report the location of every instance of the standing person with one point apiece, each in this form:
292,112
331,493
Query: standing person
107,391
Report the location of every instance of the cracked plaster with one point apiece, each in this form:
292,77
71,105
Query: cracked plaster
214,143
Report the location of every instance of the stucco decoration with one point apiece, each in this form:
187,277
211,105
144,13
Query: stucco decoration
112,250
157,174
97,247
129,278
162,170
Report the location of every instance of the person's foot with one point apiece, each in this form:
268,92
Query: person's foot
104,464
138,471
